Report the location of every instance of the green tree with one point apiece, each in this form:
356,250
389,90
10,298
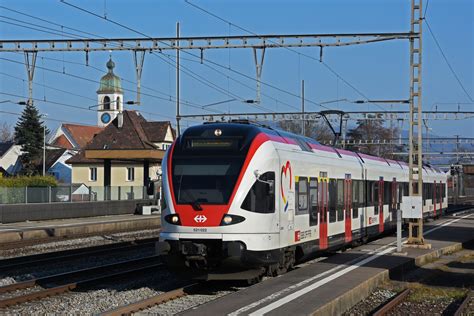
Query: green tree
29,134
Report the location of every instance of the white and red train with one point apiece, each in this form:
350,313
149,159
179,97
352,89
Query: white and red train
238,194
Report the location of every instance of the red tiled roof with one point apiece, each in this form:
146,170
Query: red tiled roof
136,133
82,134
62,142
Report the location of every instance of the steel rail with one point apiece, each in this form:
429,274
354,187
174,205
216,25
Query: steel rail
74,285
390,305
463,309
31,260
149,302
60,276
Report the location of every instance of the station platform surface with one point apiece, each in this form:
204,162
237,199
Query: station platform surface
334,284
67,228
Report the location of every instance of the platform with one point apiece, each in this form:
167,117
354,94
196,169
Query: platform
69,228
331,286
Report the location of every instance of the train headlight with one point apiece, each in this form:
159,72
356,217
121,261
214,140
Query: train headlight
173,219
229,219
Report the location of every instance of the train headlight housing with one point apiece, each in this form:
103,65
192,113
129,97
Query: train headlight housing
173,219
229,219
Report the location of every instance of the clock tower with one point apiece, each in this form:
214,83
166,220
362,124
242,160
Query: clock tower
109,96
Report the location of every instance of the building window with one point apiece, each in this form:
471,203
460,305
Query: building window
106,103
93,174
117,104
130,174
165,146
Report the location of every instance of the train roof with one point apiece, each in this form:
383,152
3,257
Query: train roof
250,129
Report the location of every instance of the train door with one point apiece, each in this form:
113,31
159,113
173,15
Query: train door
323,210
348,207
380,204
434,198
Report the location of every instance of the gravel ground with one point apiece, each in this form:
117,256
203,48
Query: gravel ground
94,301
190,301
78,243
434,306
377,298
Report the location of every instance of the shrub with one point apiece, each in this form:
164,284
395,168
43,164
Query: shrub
24,181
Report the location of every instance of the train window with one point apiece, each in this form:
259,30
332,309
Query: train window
369,195
355,192
387,191
356,187
332,200
302,196
375,196
340,200
361,192
261,197
313,202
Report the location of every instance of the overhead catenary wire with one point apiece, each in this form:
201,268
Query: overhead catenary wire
446,60
75,29
95,81
79,107
191,54
184,102
287,48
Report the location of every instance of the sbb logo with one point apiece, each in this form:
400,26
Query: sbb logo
200,218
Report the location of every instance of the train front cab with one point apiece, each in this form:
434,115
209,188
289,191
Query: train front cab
220,183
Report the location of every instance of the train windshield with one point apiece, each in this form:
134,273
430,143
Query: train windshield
205,180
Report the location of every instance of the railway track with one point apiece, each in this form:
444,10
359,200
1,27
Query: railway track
64,255
467,305
391,304
150,302
56,284
51,239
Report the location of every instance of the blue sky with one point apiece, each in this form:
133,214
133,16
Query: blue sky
379,70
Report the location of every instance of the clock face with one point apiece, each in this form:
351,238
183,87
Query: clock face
105,118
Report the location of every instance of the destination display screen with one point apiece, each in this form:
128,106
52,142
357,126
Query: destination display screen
221,143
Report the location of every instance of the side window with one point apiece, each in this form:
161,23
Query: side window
313,202
261,197
387,193
340,200
355,198
369,196
332,200
302,196
375,196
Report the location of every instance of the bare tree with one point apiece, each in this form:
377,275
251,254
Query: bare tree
6,132
314,129
373,131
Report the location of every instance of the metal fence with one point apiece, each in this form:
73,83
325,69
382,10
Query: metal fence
71,193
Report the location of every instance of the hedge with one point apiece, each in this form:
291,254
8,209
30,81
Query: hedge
24,181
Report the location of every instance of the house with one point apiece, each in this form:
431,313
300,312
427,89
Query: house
9,158
128,152
73,136
56,163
